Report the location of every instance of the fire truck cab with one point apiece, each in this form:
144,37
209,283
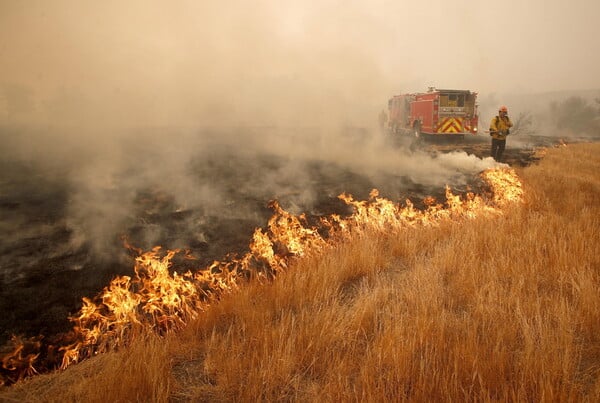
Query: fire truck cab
435,112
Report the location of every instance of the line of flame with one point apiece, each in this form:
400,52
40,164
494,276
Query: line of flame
158,300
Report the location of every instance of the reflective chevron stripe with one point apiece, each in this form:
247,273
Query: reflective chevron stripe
451,125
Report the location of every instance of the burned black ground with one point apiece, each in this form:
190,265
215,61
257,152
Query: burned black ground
45,271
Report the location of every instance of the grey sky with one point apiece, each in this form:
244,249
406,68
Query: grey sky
280,62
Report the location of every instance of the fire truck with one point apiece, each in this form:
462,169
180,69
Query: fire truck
434,113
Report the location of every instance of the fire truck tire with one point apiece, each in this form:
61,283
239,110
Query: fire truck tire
417,130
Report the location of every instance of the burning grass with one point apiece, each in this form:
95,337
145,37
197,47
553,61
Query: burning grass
496,307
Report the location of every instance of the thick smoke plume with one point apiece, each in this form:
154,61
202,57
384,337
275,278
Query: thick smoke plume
191,100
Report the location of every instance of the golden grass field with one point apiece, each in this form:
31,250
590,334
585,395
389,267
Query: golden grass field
496,308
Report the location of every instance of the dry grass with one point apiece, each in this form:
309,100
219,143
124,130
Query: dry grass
139,373
494,309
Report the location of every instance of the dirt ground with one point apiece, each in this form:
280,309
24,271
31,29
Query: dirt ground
45,270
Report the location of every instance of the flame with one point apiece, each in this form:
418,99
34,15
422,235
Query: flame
163,302
506,186
22,358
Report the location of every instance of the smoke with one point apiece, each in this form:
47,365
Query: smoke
568,115
197,64
215,109
165,185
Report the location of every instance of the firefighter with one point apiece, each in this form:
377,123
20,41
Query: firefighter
499,129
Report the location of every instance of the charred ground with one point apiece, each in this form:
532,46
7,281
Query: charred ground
46,270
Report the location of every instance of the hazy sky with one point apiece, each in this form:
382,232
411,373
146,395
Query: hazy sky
279,62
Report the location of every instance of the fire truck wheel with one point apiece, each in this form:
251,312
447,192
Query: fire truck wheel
417,130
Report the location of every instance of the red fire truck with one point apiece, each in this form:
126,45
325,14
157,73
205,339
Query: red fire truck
435,112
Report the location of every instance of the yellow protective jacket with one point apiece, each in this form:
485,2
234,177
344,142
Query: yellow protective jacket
499,127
